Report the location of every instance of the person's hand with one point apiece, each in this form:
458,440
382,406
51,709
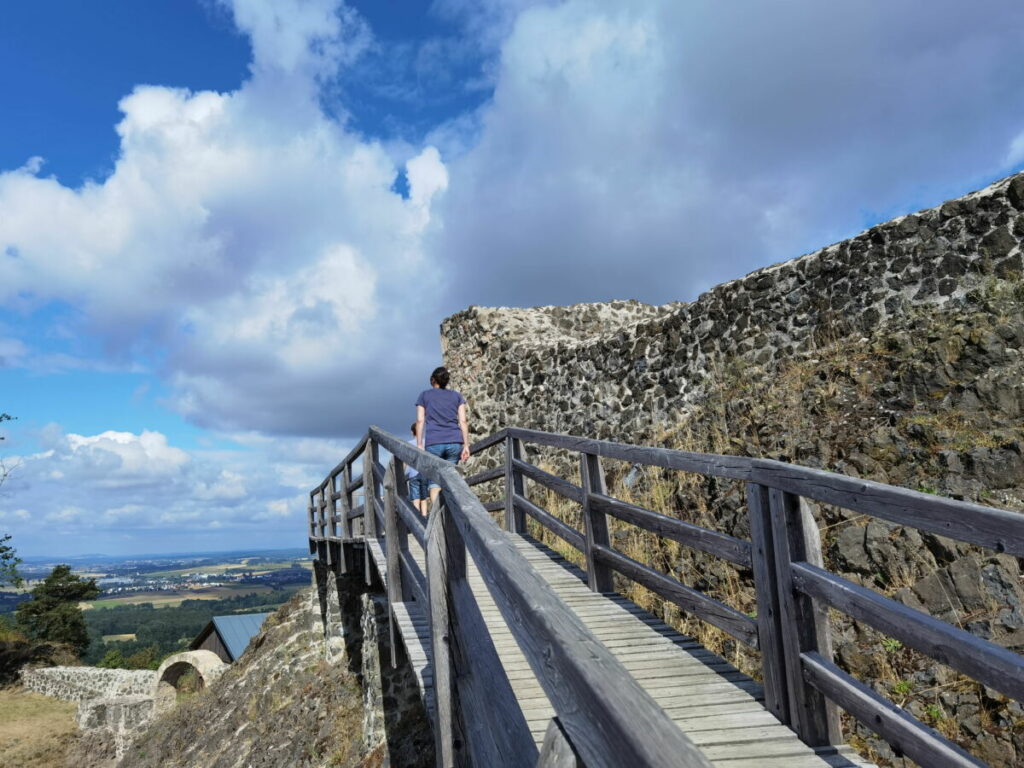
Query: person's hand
465,453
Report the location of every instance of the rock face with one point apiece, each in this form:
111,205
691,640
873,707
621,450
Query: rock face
896,356
315,688
622,368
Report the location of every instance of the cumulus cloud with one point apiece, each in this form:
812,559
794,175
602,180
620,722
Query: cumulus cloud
652,149
146,494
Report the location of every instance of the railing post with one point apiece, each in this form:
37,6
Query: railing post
312,525
804,624
766,588
393,540
344,508
557,751
446,560
595,523
369,499
515,520
326,513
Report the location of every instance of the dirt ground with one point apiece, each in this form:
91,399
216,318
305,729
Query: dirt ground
35,731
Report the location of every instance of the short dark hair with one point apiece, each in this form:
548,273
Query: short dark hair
441,377
413,427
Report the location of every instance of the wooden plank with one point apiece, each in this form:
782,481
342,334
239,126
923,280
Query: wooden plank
351,457
488,474
487,442
595,523
719,544
394,566
412,519
998,529
555,483
986,662
344,512
740,626
766,588
549,521
738,467
496,505
557,752
804,625
448,735
610,719
515,520
905,734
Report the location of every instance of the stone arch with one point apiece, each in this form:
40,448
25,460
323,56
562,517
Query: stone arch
205,664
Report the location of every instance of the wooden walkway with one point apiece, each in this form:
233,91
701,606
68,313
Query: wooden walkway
719,708
536,663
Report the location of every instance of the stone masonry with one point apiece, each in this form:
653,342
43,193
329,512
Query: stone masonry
622,368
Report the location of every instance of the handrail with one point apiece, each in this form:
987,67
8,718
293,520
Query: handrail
608,718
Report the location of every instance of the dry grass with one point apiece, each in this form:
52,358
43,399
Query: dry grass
35,731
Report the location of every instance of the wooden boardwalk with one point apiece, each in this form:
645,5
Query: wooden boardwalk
527,661
719,708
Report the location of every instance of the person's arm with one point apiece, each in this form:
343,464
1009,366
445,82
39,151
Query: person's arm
421,419
464,426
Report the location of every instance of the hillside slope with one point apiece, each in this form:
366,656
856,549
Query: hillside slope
281,704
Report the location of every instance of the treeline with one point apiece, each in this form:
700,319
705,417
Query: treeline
160,632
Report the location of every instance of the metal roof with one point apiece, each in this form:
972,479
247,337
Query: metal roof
237,631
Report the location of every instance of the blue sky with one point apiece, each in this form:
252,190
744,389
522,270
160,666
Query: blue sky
217,215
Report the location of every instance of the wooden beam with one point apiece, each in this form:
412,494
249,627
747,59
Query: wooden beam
556,751
515,521
595,523
549,521
555,483
804,623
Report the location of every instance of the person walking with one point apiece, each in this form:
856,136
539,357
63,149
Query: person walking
417,483
442,427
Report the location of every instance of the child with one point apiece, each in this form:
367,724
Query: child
417,484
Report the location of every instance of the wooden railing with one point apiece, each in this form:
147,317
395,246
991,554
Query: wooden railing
607,718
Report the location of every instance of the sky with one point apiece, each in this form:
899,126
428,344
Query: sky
230,229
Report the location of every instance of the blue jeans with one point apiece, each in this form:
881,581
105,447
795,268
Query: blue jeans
418,488
447,451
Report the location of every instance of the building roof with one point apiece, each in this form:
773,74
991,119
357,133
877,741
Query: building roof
234,631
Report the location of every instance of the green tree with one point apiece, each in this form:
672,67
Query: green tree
9,561
53,612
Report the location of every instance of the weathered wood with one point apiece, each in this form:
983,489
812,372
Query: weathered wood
369,498
413,577
998,529
905,734
412,519
804,624
740,626
719,544
557,752
355,485
555,483
327,517
487,442
488,474
766,588
495,506
588,688
549,521
394,567
351,457
449,739
595,523
738,467
982,660
515,520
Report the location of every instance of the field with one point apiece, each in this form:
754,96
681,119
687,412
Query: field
171,598
124,638
35,731
248,565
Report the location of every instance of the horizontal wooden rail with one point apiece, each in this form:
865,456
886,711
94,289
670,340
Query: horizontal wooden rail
495,439
555,483
996,529
495,506
714,543
549,521
737,467
985,661
740,626
413,520
904,733
488,474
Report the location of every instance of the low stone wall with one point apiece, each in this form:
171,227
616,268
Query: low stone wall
86,683
122,717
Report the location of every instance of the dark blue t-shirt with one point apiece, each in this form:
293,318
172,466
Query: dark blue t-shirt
442,407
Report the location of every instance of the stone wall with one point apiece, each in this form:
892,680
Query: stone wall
85,683
621,369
